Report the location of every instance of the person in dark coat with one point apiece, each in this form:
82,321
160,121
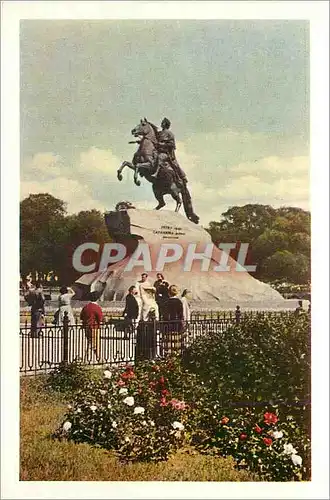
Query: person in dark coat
162,294
131,311
36,300
174,318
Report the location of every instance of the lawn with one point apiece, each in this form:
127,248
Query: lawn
44,459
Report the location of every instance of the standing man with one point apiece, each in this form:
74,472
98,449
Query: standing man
36,299
92,316
162,295
166,144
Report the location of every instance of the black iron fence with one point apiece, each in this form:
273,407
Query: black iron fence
117,341
114,342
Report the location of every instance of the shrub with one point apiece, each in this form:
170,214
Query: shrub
262,359
71,377
262,440
139,412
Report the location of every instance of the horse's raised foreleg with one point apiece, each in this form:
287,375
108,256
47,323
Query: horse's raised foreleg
121,168
132,167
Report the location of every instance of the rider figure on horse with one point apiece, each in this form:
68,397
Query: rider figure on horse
166,144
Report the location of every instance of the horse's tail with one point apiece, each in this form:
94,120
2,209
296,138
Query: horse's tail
187,204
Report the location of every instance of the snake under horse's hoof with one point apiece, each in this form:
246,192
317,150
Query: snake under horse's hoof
119,176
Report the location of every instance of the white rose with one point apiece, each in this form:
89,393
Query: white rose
109,406
289,449
114,424
107,374
67,426
93,408
178,425
152,423
129,401
127,439
138,410
69,407
296,459
102,392
123,391
78,410
144,423
277,434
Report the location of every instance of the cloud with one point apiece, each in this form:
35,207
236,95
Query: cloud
224,169
98,161
42,166
76,195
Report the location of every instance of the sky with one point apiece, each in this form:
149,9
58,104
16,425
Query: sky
236,92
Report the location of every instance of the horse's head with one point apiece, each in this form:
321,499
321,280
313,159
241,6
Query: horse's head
144,129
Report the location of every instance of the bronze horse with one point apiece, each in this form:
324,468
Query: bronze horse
145,163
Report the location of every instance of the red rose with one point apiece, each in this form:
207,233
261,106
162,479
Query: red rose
121,383
270,418
152,385
267,441
162,380
224,420
163,402
258,429
155,368
243,437
165,392
140,390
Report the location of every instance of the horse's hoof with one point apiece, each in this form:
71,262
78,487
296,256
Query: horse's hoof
194,218
119,176
161,205
138,183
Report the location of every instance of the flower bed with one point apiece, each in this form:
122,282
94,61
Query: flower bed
142,413
221,399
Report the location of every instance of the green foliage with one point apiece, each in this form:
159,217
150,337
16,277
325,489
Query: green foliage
49,236
41,220
286,265
279,239
273,447
240,393
263,358
71,377
138,412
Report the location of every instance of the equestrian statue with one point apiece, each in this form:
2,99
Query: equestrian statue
155,161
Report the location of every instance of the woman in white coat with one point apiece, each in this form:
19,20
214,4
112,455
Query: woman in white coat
64,305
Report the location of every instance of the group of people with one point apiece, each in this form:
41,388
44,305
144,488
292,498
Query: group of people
91,314
159,301
153,308
146,302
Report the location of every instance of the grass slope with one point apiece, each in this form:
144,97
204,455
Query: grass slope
43,459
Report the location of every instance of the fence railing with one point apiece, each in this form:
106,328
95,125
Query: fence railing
117,341
112,343
25,315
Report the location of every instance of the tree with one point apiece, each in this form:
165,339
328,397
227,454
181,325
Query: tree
243,223
294,268
49,236
268,231
86,226
41,217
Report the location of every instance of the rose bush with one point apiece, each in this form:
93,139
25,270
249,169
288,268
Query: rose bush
143,413
263,441
220,398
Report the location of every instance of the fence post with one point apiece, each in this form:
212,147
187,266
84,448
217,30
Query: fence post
66,337
238,315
